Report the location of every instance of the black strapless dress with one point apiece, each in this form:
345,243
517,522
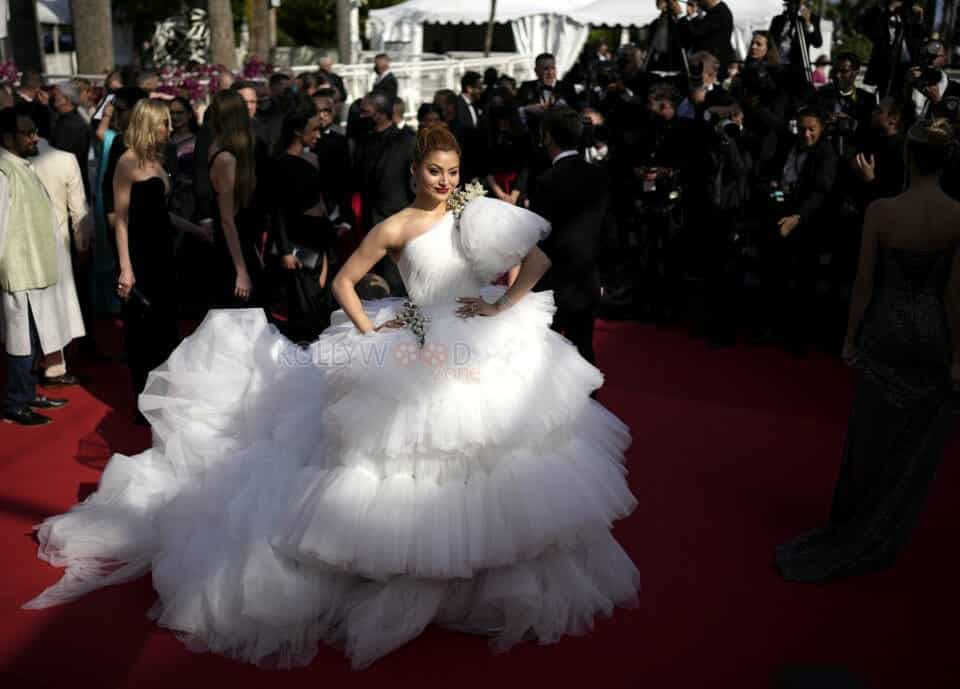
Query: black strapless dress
150,314
900,421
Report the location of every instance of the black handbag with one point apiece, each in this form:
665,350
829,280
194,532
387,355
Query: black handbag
308,307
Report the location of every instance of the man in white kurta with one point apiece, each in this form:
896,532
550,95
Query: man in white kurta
33,314
60,174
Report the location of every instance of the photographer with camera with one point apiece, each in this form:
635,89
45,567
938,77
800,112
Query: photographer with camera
726,240
794,32
657,161
848,108
928,85
801,218
766,107
705,91
843,101
896,29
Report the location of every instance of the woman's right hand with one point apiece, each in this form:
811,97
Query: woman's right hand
243,286
125,283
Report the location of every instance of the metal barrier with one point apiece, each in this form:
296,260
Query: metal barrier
418,76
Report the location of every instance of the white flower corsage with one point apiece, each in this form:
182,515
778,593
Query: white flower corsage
459,198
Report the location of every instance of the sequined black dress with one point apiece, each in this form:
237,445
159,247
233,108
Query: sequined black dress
901,418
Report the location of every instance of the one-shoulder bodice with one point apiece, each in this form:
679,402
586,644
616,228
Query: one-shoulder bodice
434,268
457,258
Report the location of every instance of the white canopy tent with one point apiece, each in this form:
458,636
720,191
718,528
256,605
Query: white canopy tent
748,16
538,26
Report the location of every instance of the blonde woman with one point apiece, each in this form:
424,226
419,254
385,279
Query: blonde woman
145,242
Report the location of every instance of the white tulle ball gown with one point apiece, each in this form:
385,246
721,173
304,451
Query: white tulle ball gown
357,490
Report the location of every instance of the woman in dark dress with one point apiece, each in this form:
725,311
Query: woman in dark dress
145,235
904,336
302,231
508,150
236,220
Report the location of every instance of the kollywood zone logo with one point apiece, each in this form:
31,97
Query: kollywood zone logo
450,362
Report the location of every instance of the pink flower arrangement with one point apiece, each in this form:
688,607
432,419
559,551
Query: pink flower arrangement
198,82
255,68
9,73
195,82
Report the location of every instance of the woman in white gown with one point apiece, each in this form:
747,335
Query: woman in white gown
437,464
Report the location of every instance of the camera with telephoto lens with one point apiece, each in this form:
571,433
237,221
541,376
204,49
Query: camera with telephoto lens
728,130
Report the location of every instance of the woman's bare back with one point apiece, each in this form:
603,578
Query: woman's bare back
919,220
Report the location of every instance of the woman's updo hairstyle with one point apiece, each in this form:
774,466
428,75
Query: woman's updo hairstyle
436,137
930,143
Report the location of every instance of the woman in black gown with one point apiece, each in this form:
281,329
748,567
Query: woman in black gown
236,218
302,231
904,336
508,151
145,236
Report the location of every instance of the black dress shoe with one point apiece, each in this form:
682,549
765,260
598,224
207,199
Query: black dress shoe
60,381
48,402
26,417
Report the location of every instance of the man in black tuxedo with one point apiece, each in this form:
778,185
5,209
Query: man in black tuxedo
382,172
468,104
385,82
534,97
467,126
574,196
71,132
333,155
889,24
783,29
711,31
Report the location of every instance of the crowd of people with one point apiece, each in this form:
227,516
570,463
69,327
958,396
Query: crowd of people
698,185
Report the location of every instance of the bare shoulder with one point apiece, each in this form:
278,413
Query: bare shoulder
127,165
223,160
392,232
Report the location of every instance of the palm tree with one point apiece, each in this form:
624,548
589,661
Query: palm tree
92,35
222,46
344,47
260,29
488,40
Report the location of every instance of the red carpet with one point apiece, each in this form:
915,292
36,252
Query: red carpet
733,452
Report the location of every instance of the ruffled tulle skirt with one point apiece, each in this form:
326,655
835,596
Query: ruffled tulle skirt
356,490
